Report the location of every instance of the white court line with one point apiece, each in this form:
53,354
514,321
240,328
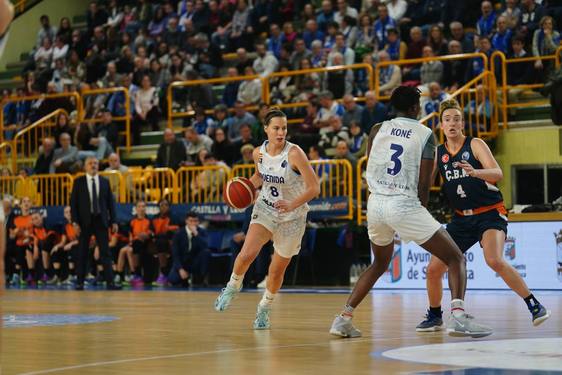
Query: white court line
222,351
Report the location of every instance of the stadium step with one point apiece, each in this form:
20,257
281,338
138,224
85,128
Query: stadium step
139,155
529,123
538,112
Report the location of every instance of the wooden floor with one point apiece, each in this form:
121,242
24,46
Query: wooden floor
178,332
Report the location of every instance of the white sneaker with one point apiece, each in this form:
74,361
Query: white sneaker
262,284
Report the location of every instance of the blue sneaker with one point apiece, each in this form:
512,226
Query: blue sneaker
540,314
225,298
262,318
432,323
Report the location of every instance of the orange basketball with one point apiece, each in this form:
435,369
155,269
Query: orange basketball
239,193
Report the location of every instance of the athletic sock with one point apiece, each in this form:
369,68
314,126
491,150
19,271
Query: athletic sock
457,308
347,312
436,311
235,281
531,301
267,299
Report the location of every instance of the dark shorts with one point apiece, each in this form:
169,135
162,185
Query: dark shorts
468,230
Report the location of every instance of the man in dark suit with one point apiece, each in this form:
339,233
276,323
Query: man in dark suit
171,153
190,251
93,212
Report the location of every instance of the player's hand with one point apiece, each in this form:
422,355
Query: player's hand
183,274
469,169
114,228
283,206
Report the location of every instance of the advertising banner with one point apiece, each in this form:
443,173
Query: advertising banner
534,249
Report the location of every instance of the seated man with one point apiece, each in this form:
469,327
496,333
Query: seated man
190,252
163,234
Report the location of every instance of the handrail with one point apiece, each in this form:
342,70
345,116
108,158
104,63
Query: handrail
126,118
15,99
420,60
176,84
31,127
4,154
505,87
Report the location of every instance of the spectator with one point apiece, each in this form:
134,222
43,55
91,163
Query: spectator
485,25
430,103
240,117
207,184
171,153
328,108
246,137
45,32
247,152
159,76
158,24
332,134
344,10
238,25
172,36
339,82
163,235
62,125
114,162
243,60
190,253
300,53
518,73
414,50
65,158
390,75
146,108
395,47
382,25
365,42
114,165
476,65
311,33
454,71
325,16
221,119
342,153
250,91
195,142
91,142
108,129
340,47
457,33
501,40
353,111
318,59
373,113
358,140
397,9
114,17
437,41
531,14
95,17
60,49
545,42
44,55
45,158
432,70
222,148
512,14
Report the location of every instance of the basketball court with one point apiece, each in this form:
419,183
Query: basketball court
178,332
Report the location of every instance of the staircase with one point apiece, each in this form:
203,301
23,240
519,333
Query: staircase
532,116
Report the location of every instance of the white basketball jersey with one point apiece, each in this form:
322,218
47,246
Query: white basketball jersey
280,181
393,168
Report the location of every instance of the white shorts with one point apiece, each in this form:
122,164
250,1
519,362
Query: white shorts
407,217
286,235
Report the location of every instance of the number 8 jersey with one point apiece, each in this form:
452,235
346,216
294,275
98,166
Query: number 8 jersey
393,168
280,181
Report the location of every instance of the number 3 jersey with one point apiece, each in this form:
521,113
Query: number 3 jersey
280,181
393,168
464,192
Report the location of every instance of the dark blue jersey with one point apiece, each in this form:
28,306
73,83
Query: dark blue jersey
464,192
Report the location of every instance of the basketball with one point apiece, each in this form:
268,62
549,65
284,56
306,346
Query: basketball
239,192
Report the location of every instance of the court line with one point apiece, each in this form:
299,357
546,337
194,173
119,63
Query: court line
222,351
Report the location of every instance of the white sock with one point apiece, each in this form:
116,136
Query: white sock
267,299
457,308
235,281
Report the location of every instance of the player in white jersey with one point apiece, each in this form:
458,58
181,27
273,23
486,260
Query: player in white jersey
287,183
401,154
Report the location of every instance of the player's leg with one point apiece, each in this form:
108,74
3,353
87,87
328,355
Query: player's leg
257,236
492,242
342,324
434,318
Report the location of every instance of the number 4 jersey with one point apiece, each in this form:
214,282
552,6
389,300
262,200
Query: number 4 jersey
464,192
393,168
280,181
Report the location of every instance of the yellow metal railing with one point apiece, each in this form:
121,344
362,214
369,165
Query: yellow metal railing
26,142
52,189
422,60
213,81
243,170
149,184
10,184
126,119
201,184
6,148
336,180
505,87
16,99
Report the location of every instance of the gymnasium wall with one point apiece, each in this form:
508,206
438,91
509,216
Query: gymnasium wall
23,31
540,145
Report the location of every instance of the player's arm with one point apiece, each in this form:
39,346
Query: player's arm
299,160
427,167
374,130
491,171
256,177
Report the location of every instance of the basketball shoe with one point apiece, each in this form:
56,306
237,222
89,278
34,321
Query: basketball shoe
432,323
540,314
225,298
344,328
262,318
465,325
